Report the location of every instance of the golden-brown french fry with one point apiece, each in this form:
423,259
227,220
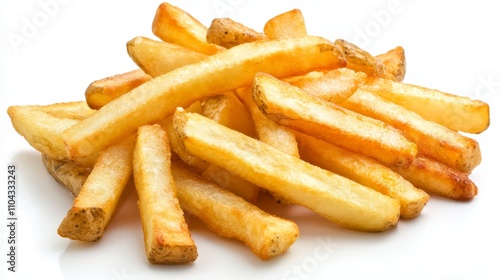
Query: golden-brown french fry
167,239
334,86
365,171
361,60
71,175
231,216
334,197
95,204
395,62
228,33
268,131
101,92
156,58
433,140
174,25
437,178
292,107
286,25
77,110
157,99
453,111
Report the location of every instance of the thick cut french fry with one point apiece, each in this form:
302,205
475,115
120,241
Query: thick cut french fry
286,25
292,107
228,33
156,58
453,111
334,86
365,171
167,239
437,178
361,60
395,62
157,99
268,131
174,25
71,175
231,216
101,92
433,140
77,110
334,197
95,204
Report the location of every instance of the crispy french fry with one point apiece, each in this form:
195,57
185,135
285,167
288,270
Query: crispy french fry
157,99
395,62
156,58
95,204
432,139
167,239
230,216
71,175
174,25
295,108
365,171
361,60
437,178
101,92
228,33
286,25
334,197
453,111
334,86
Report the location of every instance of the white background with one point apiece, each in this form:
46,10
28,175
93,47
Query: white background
451,45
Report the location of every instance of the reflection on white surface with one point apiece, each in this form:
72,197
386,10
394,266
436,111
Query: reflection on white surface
451,47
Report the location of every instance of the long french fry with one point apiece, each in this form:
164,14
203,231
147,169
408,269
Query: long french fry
157,99
295,108
231,216
334,197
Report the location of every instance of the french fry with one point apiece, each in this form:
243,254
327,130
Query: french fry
437,178
361,60
77,110
157,99
228,33
334,86
336,198
365,171
433,140
231,216
453,111
95,204
156,58
101,92
395,62
69,174
286,25
174,25
167,239
295,108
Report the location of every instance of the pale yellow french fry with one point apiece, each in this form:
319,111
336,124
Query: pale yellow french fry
437,178
365,171
395,62
292,107
286,25
334,197
453,111
156,58
71,175
155,100
433,140
174,25
231,216
167,239
95,203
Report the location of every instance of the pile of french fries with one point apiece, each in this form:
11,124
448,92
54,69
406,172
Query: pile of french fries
214,117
